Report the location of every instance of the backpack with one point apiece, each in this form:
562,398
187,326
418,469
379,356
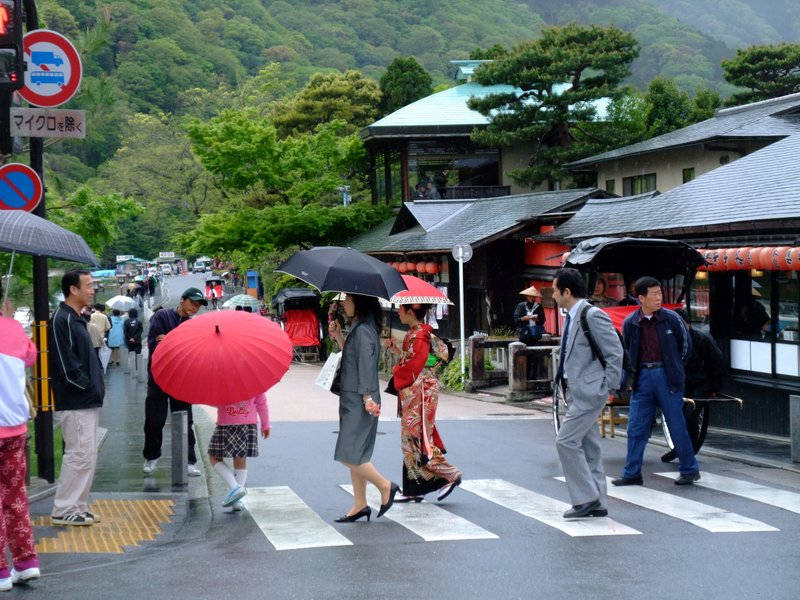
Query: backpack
627,369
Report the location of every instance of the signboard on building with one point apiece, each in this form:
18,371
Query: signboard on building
48,122
166,255
124,257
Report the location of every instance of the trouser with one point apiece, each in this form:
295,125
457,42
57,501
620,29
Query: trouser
136,365
15,521
578,446
653,390
155,417
79,429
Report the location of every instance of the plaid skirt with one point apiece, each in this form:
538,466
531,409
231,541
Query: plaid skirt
234,441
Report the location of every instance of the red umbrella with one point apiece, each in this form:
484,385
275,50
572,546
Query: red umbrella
221,357
418,292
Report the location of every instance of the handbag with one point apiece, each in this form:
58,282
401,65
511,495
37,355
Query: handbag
328,377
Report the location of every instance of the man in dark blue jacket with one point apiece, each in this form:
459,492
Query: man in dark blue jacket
659,345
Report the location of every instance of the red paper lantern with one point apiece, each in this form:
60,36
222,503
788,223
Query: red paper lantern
411,267
762,259
778,258
743,258
432,268
401,267
420,267
713,259
793,259
729,259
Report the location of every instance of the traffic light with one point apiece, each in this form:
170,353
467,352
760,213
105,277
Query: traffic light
12,59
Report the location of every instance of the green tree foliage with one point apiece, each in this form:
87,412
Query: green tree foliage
704,104
668,108
403,82
349,97
765,71
559,76
496,52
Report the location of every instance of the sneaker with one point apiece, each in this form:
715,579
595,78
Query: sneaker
150,466
235,494
237,506
5,583
91,517
73,519
193,470
28,574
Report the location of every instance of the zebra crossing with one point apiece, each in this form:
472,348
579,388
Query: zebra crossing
288,523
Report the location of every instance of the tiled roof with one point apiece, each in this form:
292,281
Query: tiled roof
765,119
433,225
762,186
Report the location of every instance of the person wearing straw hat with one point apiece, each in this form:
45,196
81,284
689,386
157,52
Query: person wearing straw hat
529,316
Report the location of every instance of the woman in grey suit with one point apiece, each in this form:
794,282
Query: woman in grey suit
360,404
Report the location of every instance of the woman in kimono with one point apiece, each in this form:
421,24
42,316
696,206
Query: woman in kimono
424,466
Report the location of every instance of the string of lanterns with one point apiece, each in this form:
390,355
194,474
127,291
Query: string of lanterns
430,267
764,258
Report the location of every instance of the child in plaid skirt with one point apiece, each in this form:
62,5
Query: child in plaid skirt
236,436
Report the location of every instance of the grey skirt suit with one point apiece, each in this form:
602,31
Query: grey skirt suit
358,375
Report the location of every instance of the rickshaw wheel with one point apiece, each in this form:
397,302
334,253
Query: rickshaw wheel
697,437
559,406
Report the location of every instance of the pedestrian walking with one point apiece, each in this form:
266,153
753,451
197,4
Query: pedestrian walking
156,402
659,345
360,404
78,389
116,337
132,330
586,375
16,530
151,290
236,437
425,468
705,376
99,326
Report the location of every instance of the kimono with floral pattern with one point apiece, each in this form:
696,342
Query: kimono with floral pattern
424,466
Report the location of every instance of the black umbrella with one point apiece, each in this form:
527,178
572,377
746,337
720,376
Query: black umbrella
335,269
24,232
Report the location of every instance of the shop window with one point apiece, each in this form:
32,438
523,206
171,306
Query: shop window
638,184
787,355
688,174
611,185
438,166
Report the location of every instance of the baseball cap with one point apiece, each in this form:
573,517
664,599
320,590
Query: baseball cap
193,293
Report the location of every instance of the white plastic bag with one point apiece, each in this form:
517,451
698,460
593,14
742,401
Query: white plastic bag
329,370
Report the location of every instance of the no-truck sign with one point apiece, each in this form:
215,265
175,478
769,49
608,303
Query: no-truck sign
54,68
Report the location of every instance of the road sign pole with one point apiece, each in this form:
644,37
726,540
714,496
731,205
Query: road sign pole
461,306
41,309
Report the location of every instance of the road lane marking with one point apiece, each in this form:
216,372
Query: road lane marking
287,521
542,508
430,522
753,491
702,515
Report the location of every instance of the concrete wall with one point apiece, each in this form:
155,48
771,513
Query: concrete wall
669,164
517,157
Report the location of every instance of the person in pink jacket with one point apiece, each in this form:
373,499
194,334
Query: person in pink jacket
236,436
16,353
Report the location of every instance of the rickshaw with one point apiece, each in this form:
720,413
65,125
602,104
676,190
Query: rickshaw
621,261
214,290
297,312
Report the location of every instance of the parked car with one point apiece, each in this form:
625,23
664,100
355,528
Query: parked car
166,269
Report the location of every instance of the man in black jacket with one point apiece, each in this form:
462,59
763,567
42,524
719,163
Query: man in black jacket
705,374
78,389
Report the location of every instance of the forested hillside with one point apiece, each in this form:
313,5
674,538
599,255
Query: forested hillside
156,68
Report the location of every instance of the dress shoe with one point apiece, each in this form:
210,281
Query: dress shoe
599,512
632,480
584,510
448,489
669,456
392,493
688,478
403,498
364,512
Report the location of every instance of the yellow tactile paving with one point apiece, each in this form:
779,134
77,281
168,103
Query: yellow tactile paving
125,523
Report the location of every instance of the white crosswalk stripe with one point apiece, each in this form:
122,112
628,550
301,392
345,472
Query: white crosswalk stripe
288,522
702,515
542,508
753,491
430,522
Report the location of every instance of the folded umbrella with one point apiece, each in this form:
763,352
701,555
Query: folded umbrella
221,357
419,292
121,303
336,269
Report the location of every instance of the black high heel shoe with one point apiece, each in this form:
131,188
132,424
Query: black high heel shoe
392,493
364,512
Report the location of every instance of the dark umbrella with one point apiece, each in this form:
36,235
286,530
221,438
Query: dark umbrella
335,269
24,232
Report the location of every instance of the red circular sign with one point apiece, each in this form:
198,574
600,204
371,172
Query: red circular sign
54,68
20,187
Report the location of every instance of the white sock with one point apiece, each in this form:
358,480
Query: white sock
225,472
241,476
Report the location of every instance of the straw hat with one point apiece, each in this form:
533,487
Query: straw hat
531,291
